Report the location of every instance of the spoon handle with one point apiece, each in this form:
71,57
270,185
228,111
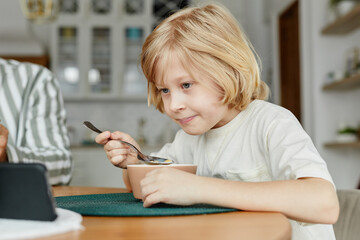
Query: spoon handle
91,126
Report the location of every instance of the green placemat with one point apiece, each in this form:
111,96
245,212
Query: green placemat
124,204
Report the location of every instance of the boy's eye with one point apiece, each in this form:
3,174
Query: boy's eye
186,85
164,90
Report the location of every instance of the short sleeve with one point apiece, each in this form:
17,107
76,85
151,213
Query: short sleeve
292,152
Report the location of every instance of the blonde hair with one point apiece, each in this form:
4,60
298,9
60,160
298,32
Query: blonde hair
207,40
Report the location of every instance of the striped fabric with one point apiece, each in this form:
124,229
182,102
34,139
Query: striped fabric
31,108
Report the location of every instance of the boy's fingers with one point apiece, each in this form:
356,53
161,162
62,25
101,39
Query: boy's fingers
121,136
103,138
112,144
117,135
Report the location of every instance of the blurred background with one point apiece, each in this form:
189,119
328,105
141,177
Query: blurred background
309,52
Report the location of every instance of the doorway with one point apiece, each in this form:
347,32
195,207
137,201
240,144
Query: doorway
290,59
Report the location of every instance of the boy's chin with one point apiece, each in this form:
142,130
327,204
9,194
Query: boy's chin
193,131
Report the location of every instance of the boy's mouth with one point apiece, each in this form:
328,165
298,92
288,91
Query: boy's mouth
183,121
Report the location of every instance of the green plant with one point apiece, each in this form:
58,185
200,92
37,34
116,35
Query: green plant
346,130
333,3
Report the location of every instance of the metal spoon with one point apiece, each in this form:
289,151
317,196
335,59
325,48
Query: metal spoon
145,158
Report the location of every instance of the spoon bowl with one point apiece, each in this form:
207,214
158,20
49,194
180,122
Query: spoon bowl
142,157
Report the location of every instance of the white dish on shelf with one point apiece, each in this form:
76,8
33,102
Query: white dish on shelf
346,137
344,7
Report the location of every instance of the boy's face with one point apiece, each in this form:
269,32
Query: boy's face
196,108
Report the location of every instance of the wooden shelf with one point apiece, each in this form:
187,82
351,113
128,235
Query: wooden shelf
41,60
344,24
343,145
347,83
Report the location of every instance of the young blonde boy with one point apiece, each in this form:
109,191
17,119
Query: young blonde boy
253,155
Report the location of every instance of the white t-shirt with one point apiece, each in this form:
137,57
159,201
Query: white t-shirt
265,142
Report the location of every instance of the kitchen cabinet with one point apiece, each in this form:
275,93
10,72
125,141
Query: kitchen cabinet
344,25
95,46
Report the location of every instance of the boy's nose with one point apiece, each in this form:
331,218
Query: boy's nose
176,103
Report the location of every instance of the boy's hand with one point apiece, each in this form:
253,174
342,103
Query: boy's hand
119,154
170,186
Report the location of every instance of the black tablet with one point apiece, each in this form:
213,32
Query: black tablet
25,192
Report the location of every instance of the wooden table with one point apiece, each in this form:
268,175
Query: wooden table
232,225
